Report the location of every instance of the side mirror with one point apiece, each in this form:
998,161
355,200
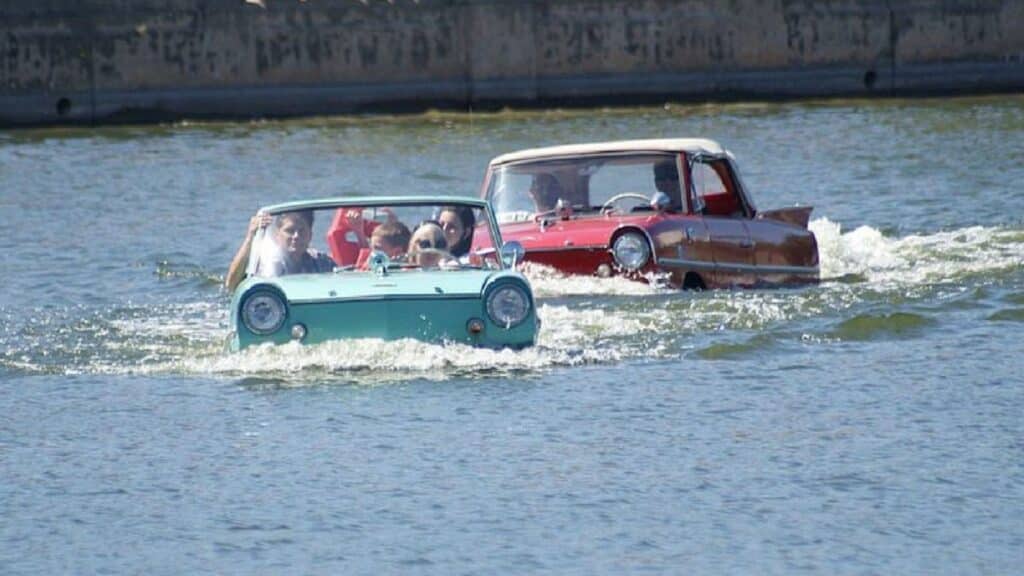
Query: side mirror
378,262
512,253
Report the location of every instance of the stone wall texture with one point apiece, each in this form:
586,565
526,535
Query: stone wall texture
84,61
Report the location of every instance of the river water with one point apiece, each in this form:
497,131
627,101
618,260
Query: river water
870,424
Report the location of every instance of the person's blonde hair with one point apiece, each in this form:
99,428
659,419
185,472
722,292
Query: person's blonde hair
431,229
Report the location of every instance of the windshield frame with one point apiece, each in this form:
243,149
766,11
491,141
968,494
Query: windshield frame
370,202
497,172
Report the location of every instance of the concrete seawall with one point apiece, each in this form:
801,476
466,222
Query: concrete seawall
88,61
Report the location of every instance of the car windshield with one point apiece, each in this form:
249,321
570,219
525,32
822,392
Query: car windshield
518,191
442,236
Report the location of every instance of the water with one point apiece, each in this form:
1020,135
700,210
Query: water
871,424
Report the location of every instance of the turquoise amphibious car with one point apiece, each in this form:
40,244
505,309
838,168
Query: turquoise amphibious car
397,267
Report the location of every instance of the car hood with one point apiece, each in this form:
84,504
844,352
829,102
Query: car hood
298,288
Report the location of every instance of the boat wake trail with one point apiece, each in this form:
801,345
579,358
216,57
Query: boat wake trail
918,259
868,279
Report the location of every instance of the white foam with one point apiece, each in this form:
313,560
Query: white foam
548,282
916,259
198,321
569,337
862,251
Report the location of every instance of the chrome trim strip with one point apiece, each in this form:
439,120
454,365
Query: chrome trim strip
464,296
745,268
590,248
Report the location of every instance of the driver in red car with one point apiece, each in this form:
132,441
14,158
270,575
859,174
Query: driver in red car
666,180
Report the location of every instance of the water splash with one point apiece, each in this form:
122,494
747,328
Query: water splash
917,259
548,282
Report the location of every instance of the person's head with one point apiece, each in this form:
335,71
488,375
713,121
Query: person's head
428,244
293,231
666,178
391,238
457,222
545,190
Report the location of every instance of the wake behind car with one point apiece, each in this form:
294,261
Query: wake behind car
675,210
389,268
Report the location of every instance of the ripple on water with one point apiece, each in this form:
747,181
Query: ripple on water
1008,315
882,326
737,350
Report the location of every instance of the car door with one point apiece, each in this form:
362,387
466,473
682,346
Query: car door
784,253
723,215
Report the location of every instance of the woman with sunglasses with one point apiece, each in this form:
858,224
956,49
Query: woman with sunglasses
428,246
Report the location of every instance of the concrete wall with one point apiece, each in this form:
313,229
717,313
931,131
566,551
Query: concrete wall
65,61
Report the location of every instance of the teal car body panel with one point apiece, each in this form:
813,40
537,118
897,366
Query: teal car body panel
433,305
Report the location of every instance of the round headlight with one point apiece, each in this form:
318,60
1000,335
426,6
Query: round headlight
631,251
508,305
263,312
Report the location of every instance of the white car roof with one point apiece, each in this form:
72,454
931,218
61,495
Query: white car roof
689,145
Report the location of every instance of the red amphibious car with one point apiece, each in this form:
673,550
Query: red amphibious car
669,210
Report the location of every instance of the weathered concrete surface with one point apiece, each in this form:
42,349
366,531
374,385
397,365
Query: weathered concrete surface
99,60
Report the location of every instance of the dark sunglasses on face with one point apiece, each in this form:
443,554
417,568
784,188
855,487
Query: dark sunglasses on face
425,243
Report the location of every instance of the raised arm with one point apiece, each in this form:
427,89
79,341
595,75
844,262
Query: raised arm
236,272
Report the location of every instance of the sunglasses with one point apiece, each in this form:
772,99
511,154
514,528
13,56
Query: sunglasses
425,243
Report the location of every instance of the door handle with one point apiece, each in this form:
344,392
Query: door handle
746,243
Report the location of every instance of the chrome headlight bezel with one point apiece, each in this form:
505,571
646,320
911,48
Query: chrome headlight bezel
263,312
508,305
631,251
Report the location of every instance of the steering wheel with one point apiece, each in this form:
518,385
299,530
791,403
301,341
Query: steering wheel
610,203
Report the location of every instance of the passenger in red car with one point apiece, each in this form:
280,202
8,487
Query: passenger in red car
546,190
